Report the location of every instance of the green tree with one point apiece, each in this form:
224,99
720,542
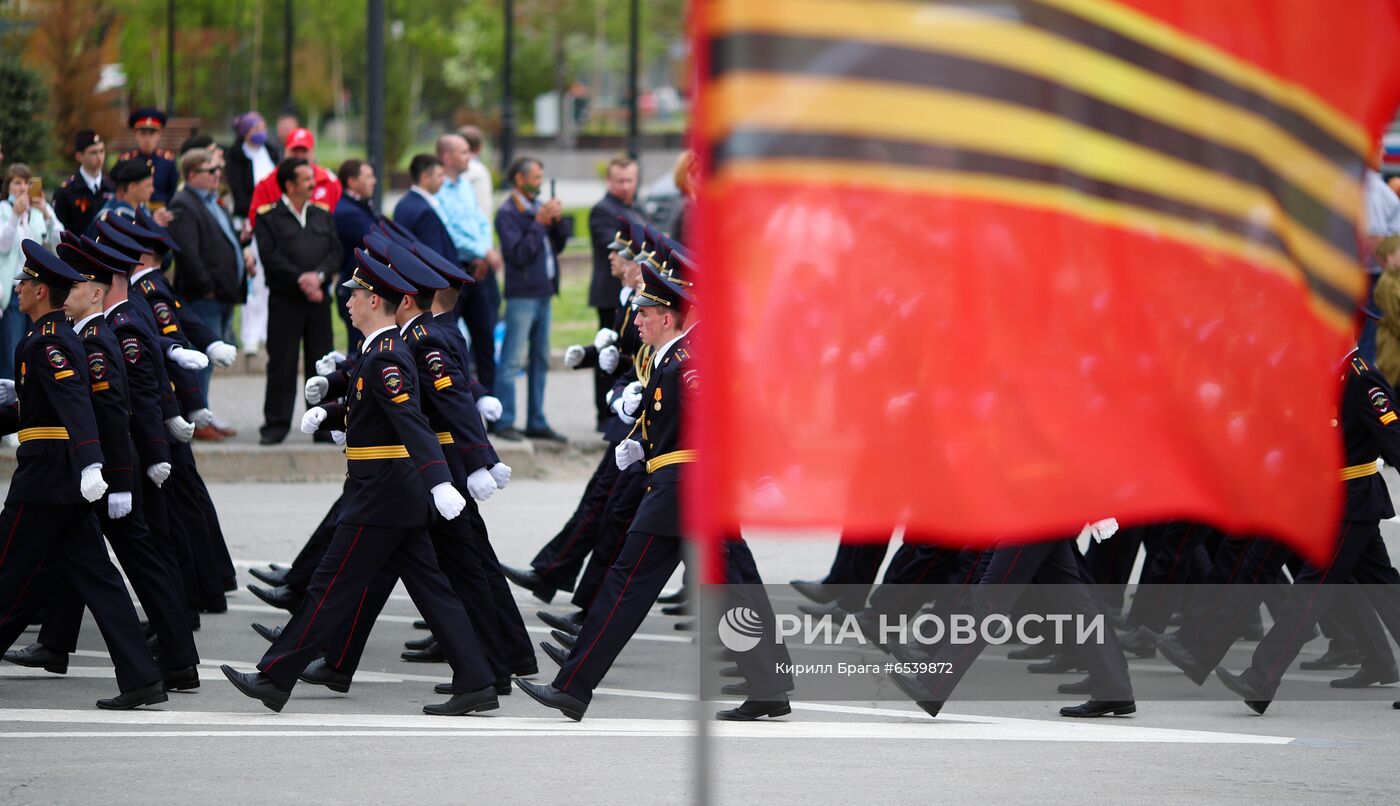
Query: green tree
23,129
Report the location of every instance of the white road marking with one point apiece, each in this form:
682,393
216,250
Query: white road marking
382,725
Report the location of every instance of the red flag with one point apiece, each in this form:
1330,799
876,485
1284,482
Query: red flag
993,270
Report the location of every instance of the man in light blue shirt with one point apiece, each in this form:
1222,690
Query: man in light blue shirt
471,231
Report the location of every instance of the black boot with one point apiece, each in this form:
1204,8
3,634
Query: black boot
470,702
554,653
569,624
320,673
38,656
530,580
185,679
1096,708
258,687
564,639
551,697
270,633
282,597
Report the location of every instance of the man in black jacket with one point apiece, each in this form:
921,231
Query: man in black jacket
300,252
604,290
209,272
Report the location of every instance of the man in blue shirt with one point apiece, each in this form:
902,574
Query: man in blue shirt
470,227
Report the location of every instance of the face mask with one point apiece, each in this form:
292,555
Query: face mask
257,138
531,190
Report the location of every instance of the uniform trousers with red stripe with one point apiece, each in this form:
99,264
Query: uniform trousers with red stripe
1360,557
340,587
465,555
629,590
562,558
40,540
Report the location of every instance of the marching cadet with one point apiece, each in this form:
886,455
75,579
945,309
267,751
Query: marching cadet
148,122
132,186
81,195
48,519
397,478
463,549
652,550
155,581
1370,430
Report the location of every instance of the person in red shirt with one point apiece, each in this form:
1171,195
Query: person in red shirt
326,192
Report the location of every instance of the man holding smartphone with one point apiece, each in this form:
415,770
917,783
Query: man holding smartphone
532,233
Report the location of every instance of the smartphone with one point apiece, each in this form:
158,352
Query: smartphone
36,189
551,188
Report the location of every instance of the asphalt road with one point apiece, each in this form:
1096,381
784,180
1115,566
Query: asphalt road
638,743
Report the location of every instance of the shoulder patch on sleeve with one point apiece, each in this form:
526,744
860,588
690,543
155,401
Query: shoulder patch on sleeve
691,379
1380,401
392,378
131,350
97,366
56,358
436,364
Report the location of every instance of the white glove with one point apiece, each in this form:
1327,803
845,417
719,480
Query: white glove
608,358
448,501
221,354
605,337
632,398
118,505
202,417
490,408
316,389
325,365
338,437
628,451
158,473
573,356
480,484
91,484
312,419
180,428
189,359
501,473
1099,531
7,391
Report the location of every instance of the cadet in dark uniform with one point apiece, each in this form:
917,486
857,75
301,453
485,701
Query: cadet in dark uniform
396,469
81,195
47,519
1370,429
154,579
652,550
132,188
148,122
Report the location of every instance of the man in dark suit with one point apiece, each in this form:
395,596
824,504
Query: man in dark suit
417,211
210,270
300,252
354,217
84,193
605,289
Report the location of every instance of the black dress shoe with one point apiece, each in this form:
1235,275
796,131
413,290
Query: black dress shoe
1368,677
1094,708
419,643
816,591
1040,651
685,626
555,654
916,692
258,687
682,609
230,584
320,673
525,668
501,686
1333,659
547,434
1179,656
674,597
271,439
1061,663
1139,643
270,633
273,578
730,671
1082,686
735,689
38,656
530,580
433,654
753,709
184,679
282,596
420,624
1396,705
562,623
483,699
564,639
137,697
1255,699
551,697
510,433
215,604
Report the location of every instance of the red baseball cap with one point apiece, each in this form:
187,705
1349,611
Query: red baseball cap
301,138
